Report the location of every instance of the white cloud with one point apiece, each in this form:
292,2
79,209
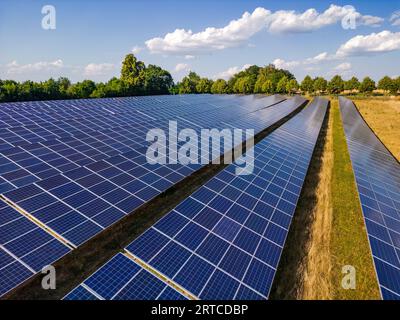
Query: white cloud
230,72
189,57
93,69
236,32
15,68
292,22
136,49
185,41
345,66
373,43
181,67
395,18
322,57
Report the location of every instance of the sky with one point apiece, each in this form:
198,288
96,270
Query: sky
89,39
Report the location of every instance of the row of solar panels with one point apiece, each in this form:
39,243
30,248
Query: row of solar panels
85,187
226,239
377,175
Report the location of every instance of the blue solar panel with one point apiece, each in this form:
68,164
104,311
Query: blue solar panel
377,174
123,279
200,247
24,247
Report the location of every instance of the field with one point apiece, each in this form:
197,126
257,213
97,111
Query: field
383,116
328,230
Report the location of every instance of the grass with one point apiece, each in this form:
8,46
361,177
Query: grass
383,116
294,270
328,230
349,243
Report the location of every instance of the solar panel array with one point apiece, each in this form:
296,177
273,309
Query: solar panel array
377,175
76,167
225,240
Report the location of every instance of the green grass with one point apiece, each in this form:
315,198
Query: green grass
349,243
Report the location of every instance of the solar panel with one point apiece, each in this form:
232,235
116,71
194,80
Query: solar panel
377,175
78,166
24,248
225,240
130,282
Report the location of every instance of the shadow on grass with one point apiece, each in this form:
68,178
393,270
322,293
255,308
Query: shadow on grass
288,280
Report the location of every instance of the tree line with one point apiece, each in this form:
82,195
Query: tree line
138,79
271,80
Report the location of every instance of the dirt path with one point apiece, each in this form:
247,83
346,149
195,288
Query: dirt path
303,272
317,264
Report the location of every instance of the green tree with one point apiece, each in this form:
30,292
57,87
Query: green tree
352,84
292,86
268,87
133,73
9,90
219,86
189,83
82,89
307,85
204,85
320,85
367,85
258,86
157,80
387,84
281,87
336,85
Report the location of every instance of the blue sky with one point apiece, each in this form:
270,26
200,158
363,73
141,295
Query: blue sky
92,37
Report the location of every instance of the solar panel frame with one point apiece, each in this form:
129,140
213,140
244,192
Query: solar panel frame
377,176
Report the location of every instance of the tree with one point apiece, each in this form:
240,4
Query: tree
243,85
387,84
259,83
157,80
292,86
336,85
82,89
133,73
367,85
189,83
267,87
307,85
219,86
204,85
352,84
320,85
282,85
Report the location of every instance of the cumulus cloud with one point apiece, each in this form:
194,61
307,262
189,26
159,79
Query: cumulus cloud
93,69
15,68
292,22
186,41
181,67
322,57
345,66
373,43
136,49
395,18
236,32
230,72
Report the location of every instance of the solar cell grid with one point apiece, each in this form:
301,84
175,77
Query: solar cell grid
83,163
214,256
377,175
